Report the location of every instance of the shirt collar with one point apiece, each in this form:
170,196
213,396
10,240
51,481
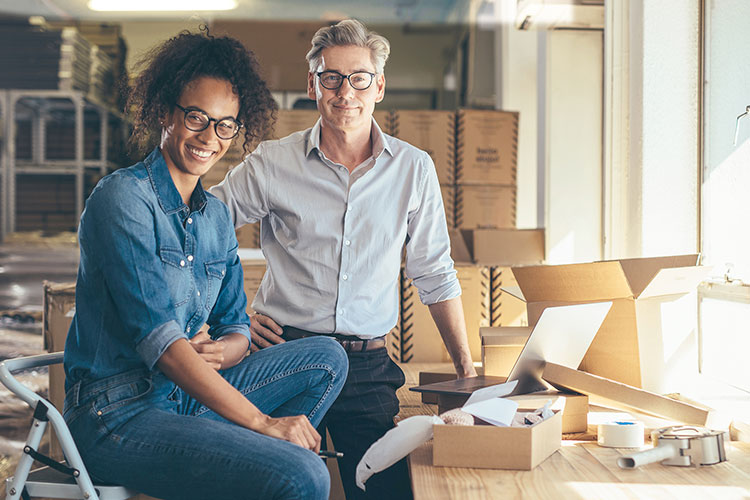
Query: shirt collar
380,141
163,185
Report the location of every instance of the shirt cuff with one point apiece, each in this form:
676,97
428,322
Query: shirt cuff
219,331
448,291
155,343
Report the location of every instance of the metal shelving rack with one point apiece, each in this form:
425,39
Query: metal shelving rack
41,103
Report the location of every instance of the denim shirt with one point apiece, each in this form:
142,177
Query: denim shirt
152,271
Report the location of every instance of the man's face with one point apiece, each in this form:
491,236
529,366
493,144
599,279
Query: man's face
346,108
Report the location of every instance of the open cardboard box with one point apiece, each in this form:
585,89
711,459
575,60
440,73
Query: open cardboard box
492,447
649,338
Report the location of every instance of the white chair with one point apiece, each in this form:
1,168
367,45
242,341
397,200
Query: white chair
67,479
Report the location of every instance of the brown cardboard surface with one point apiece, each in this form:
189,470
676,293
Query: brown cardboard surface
574,407
501,347
384,119
485,206
634,333
491,447
486,147
289,121
505,247
505,309
623,396
449,204
253,271
432,131
420,337
459,251
59,303
248,236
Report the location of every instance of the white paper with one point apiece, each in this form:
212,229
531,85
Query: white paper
395,444
493,391
496,411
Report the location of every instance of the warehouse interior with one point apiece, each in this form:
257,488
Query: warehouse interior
586,151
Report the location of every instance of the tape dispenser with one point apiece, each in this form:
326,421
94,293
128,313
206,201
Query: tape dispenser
682,446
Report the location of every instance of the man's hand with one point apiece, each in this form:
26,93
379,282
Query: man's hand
265,332
297,430
466,371
211,351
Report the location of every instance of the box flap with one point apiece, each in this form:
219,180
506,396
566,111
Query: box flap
505,247
573,282
622,395
505,335
640,272
676,280
460,249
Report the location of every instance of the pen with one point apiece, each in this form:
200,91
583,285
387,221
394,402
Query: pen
330,454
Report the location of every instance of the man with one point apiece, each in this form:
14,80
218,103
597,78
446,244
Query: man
339,203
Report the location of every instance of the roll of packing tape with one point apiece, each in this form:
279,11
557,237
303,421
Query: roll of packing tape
620,434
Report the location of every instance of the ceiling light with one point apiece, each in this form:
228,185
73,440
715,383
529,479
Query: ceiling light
161,5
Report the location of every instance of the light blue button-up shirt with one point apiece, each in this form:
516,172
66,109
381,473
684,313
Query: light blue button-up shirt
334,240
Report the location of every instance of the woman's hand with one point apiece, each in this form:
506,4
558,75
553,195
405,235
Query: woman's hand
211,351
297,430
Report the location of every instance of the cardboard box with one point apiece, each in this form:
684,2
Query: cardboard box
434,132
253,269
248,236
485,207
384,118
289,121
505,247
491,447
505,309
449,204
486,147
648,339
501,347
618,395
420,338
59,302
574,407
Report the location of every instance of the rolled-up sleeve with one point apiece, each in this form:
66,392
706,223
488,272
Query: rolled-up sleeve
133,273
244,189
428,250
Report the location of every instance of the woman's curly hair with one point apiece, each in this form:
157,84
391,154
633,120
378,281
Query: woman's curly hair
170,66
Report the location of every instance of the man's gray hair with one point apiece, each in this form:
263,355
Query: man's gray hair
349,32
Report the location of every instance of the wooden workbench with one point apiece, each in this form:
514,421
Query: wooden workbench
581,470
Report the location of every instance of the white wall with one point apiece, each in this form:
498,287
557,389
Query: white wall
652,165
573,156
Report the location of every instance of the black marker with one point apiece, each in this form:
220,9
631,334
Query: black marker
330,454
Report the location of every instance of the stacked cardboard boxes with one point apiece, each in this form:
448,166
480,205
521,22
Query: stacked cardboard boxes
486,155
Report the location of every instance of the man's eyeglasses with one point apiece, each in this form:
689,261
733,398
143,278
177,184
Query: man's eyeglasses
359,80
198,120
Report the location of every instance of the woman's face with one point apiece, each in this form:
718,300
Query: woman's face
190,153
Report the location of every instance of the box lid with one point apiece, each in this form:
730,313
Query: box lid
607,280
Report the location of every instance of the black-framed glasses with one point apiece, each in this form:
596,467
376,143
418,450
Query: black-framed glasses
359,80
198,120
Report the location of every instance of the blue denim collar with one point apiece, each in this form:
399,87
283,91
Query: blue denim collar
166,192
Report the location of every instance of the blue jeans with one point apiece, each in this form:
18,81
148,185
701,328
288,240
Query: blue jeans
138,429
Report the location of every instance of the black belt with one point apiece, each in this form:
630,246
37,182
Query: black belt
350,343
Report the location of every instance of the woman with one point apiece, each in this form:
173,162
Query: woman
153,403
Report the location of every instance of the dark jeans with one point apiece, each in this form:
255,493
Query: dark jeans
361,414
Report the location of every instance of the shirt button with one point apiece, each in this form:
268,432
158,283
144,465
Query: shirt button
182,263
190,220
347,243
345,277
190,258
349,208
187,330
341,312
199,293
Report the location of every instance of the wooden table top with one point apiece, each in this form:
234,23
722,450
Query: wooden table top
580,469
